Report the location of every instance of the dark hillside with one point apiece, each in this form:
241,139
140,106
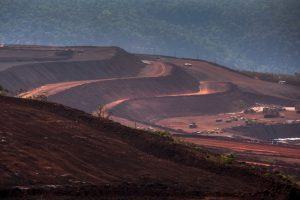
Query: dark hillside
65,152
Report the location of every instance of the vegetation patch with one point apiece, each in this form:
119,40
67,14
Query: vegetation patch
3,91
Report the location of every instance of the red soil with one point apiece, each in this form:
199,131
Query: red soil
259,149
60,146
87,97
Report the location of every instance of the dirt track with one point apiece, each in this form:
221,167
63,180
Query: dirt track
258,149
88,97
156,69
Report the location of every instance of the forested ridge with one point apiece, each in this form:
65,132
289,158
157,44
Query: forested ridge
250,35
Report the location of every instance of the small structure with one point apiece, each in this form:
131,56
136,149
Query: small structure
193,125
188,64
1,45
297,108
150,128
65,52
282,82
219,120
271,113
197,132
249,111
234,119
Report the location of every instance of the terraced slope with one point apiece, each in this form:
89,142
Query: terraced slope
220,91
155,108
146,88
27,68
89,96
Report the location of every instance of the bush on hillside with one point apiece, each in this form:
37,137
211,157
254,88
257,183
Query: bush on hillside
3,91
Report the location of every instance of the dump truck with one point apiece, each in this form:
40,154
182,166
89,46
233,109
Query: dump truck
187,64
282,82
193,125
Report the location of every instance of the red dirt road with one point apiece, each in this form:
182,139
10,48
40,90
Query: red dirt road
156,69
259,149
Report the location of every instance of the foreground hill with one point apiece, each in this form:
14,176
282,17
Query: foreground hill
64,153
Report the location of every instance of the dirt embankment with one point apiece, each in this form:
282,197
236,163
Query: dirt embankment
150,109
205,71
62,150
88,97
220,91
268,132
84,65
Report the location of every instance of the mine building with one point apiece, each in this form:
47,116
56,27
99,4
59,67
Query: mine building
271,113
282,82
297,108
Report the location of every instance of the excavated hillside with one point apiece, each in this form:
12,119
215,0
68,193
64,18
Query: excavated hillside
50,151
89,96
25,67
156,108
135,86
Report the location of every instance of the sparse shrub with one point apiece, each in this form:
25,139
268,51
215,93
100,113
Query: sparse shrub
242,104
285,177
227,159
100,112
163,134
267,175
251,121
3,91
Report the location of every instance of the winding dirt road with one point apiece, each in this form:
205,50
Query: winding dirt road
155,69
160,69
